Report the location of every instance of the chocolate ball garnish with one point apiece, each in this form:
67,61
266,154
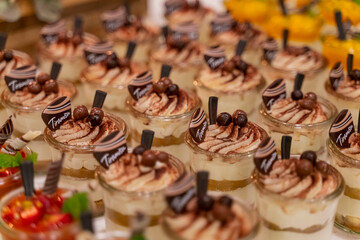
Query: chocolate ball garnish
163,157
139,150
148,158
309,155
123,62
8,55
240,118
296,95
228,66
159,87
172,90
97,111
80,112
323,167
34,87
77,39
223,119
220,212
43,78
166,81
205,202
304,168
311,95
111,63
243,66
51,86
355,74
307,103
225,200
94,120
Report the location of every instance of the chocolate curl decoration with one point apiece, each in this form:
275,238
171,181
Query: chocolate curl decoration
27,176
283,8
53,176
202,181
299,79
285,147
87,221
99,98
285,38
340,26
350,60
3,38
213,103
165,70
55,70
147,138
240,47
130,50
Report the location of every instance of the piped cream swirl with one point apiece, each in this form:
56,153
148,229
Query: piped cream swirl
19,59
232,138
284,180
288,110
354,149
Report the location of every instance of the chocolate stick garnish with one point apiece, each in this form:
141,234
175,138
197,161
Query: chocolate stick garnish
55,70
285,38
53,176
78,24
285,147
299,79
283,8
3,38
87,221
340,26
350,60
127,7
213,103
99,98
147,137
240,47
165,31
27,176
165,70
202,181
130,50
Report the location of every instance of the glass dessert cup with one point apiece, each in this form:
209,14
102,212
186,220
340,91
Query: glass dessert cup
169,130
230,173
230,101
251,213
29,119
67,232
121,206
304,136
348,211
71,65
297,219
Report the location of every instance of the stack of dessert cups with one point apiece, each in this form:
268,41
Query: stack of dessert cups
306,117
28,92
236,83
162,107
343,148
121,28
297,196
135,181
224,147
78,135
111,74
287,62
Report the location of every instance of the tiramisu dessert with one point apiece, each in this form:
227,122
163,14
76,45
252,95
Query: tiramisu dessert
224,146
134,181
297,196
304,116
110,73
235,82
122,27
193,214
163,107
67,47
227,32
28,92
182,51
343,88
344,150
286,62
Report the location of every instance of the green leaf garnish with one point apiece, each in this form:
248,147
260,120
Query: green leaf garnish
138,236
32,157
8,161
75,205
357,1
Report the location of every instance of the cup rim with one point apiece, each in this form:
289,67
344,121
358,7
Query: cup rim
332,148
108,187
49,139
330,106
7,104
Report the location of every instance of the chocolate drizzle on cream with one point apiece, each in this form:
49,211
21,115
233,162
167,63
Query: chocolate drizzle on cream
141,85
198,125
215,57
336,75
275,91
342,128
223,22
270,48
114,19
19,78
57,113
95,53
265,155
188,29
50,32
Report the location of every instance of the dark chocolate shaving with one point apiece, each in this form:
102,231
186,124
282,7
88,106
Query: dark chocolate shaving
27,176
342,128
53,176
265,156
147,137
99,98
55,70
285,147
213,103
